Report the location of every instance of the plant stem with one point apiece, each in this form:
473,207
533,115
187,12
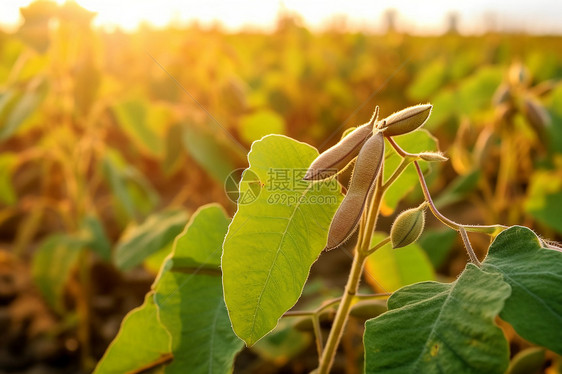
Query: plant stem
331,302
403,165
379,245
318,334
361,254
372,215
362,251
468,246
343,312
399,149
486,229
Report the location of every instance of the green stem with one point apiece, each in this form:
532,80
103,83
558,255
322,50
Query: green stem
403,165
329,303
318,334
379,245
363,250
372,215
340,320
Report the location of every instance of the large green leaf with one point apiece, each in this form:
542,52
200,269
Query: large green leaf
441,328
389,269
142,342
184,314
273,240
52,264
190,299
414,142
155,233
534,273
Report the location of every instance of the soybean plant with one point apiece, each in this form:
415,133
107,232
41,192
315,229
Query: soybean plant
204,306
430,327
361,206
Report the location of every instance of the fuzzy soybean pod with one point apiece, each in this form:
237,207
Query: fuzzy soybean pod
335,159
367,168
408,226
406,120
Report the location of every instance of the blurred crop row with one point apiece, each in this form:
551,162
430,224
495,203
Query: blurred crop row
109,140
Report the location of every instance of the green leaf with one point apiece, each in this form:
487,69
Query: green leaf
256,125
273,240
142,342
437,244
390,269
534,273
544,198
52,264
154,262
192,248
441,328
156,232
190,299
414,142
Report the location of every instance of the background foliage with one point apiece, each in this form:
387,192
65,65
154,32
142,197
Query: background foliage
109,142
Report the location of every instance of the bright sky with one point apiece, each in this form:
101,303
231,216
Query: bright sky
428,17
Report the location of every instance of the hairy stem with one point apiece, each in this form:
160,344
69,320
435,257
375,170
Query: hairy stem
378,245
468,246
318,335
403,165
486,229
340,320
361,254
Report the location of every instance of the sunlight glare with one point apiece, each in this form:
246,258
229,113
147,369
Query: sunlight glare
429,17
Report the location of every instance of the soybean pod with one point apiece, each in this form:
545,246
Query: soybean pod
367,168
335,159
406,120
